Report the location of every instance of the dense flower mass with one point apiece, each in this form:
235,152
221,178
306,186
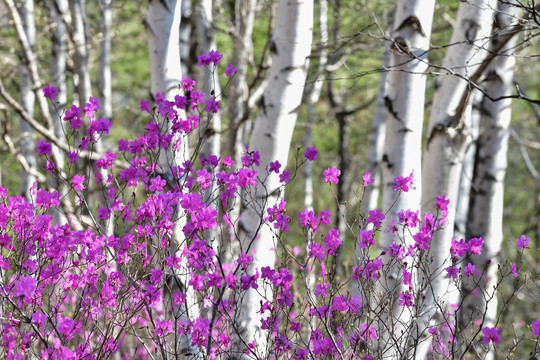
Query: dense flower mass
151,255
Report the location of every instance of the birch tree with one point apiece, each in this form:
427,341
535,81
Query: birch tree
376,141
449,134
486,209
449,131
80,52
242,56
185,35
27,143
402,147
163,26
58,10
105,83
272,136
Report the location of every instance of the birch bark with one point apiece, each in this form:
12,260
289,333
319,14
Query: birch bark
105,83
163,27
404,102
449,133
27,142
242,57
486,204
272,136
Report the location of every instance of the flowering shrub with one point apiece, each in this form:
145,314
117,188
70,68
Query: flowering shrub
159,285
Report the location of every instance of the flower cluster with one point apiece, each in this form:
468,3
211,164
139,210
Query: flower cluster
165,273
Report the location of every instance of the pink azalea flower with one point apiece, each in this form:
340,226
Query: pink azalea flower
331,175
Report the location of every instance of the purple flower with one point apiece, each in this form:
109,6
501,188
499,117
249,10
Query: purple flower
156,275
274,166
452,272
402,184
332,241
227,161
366,238
188,83
163,327
475,245
203,60
212,105
407,278
409,218
375,217
44,148
103,213
73,157
214,56
491,334
145,106
522,242
536,328
284,177
26,286
406,299
367,179
244,260
230,70
513,270
331,175
459,248
469,270
50,92
73,116
78,182
311,153
422,240
157,184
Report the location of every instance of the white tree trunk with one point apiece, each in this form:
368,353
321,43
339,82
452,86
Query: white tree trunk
185,36
27,142
58,68
80,54
211,84
242,57
272,136
376,142
212,123
404,101
467,171
163,27
486,212
105,84
449,135
312,98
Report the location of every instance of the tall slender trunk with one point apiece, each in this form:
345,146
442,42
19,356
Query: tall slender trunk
185,36
80,53
376,141
312,97
27,142
163,27
212,125
58,9
404,102
272,136
105,85
238,101
238,89
467,171
486,203
448,137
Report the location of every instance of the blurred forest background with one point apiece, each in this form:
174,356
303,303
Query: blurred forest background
340,120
